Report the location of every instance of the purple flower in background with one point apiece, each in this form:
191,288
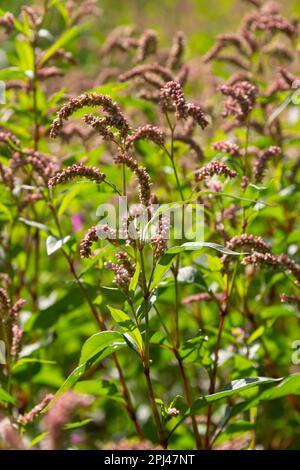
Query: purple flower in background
76,438
77,222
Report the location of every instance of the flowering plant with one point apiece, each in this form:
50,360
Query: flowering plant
147,335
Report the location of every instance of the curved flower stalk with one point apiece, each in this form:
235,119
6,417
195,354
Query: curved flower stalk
117,118
176,52
141,174
148,132
281,263
214,168
142,71
78,170
146,45
93,235
36,411
246,242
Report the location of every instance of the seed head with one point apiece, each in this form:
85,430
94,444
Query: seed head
240,99
140,71
214,168
78,170
160,240
227,147
261,162
147,132
88,99
44,165
36,411
94,234
141,174
196,112
60,414
49,72
147,45
6,137
172,97
5,302
7,22
17,336
176,51
282,262
100,125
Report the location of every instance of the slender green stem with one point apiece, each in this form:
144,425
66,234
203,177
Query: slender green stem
146,359
162,322
175,274
188,398
35,281
163,441
213,375
113,186
246,169
36,131
247,145
213,378
175,270
171,155
185,381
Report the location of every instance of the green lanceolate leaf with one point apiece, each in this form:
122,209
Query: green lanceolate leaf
288,386
134,280
190,350
94,350
127,326
275,388
101,388
233,388
62,41
5,397
167,259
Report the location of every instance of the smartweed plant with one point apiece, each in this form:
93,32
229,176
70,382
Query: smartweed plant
125,322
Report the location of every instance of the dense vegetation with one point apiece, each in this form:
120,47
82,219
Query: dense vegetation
115,337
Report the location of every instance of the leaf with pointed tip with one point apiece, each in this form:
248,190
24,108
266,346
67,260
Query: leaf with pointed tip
166,260
288,386
94,350
62,41
134,280
233,388
127,326
6,397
